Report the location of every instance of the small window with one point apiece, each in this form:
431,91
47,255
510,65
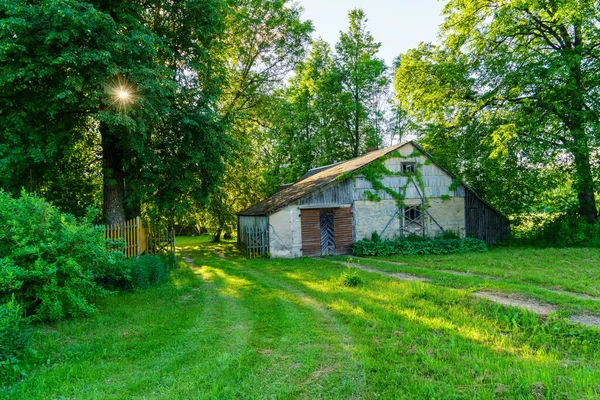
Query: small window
413,215
408,168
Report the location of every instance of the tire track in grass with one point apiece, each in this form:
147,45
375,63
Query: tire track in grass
511,300
581,296
338,339
224,329
330,337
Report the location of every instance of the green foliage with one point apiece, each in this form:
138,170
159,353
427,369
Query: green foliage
15,338
333,107
417,246
509,93
136,272
375,236
48,260
449,235
559,230
370,196
352,279
262,43
60,113
148,270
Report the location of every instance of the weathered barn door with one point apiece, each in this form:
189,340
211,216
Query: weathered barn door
310,221
326,231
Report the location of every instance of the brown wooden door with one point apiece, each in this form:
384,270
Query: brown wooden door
310,221
343,230
320,237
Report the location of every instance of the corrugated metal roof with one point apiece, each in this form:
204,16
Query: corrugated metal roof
314,182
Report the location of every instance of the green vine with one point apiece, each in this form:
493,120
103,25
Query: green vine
454,185
376,171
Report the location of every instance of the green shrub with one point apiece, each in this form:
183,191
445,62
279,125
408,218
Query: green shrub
49,261
449,235
375,236
421,246
352,279
560,230
148,270
15,338
136,272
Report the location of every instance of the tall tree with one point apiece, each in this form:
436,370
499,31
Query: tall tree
262,42
363,80
334,106
121,70
514,83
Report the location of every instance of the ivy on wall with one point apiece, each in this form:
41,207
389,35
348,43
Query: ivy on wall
376,171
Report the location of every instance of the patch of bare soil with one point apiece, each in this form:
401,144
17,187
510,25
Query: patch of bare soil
587,320
445,271
188,260
513,300
581,296
537,307
219,254
396,275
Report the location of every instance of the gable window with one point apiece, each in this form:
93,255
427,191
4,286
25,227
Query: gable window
408,167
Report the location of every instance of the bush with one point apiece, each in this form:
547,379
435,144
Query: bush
560,230
352,279
411,246
15,338
49,261
136,272
148,270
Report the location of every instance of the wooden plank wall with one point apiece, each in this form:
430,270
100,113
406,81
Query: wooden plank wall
343,230
483,222
245,222
310,223
138,239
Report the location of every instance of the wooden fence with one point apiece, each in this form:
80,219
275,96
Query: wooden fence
140,239
257,244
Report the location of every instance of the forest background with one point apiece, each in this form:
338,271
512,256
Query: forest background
187,112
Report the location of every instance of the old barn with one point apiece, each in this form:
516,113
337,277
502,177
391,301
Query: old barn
396,191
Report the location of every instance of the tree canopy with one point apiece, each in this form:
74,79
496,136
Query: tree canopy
511,96
159,144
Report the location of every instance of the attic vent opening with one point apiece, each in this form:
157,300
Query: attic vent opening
408,167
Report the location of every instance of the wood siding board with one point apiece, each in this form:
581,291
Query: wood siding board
482,221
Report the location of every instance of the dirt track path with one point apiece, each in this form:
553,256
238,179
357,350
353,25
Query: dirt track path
506,299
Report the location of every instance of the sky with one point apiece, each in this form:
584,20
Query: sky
398,24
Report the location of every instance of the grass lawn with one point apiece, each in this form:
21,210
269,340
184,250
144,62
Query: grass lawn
226,327
562,277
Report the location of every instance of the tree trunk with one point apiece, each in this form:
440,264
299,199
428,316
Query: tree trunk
217,236
228,235
113,177
584,181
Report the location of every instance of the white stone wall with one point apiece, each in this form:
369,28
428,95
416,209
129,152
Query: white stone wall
370,216
450,214
285,239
